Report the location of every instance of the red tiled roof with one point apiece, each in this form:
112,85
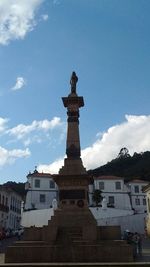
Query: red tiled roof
108,177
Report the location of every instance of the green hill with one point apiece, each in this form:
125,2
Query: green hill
135,167
129,167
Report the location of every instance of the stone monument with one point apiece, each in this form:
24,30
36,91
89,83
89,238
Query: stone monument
72,235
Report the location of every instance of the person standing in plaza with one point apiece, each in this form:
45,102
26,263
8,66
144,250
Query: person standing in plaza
139,245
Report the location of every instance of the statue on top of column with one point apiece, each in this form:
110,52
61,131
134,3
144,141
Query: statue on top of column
73,82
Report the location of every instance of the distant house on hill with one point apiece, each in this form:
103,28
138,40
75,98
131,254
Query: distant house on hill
138,197
114,190
41,190
122,195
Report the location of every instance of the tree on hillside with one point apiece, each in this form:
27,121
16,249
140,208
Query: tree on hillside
124,153
129,167
97,197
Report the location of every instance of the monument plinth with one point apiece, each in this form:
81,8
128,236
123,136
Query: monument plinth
72,234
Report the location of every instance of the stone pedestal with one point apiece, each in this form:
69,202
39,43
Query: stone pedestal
71,237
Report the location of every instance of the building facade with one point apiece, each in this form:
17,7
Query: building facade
146,190
10,208
121,195
114,190
41,191
138,197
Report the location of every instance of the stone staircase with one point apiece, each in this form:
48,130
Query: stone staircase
69,234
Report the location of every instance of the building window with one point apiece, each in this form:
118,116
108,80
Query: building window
42,198
37,183
101,185
136,189
6,201
3,200
137,201
111,200
144,201
51,184
118,185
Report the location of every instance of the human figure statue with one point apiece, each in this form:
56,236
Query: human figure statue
73,82
104,203
54,204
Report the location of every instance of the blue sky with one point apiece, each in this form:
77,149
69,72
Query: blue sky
41,42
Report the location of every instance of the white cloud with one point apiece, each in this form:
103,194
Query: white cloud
10,156
51,168
20,82
31,140
22,130
3,126
17,18
46,124
45,17
133,134
27,142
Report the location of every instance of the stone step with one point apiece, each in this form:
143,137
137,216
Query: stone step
71,233
68,264
75,237
81,242
29,243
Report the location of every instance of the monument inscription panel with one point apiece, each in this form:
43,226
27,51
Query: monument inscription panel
71,194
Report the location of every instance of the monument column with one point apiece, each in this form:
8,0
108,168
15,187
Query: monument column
73,163
73,180
73,103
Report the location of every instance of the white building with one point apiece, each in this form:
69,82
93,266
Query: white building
41,190
146,190
138,197
115,191
10,208
120,197
123,208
